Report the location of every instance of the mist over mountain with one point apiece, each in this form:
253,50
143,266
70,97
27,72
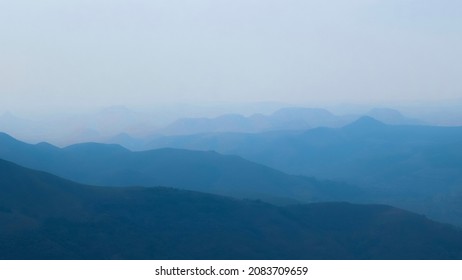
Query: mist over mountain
134,128
235,129
415,167
64,128
46,217
391,116
113,165
293,118
283,119
288,118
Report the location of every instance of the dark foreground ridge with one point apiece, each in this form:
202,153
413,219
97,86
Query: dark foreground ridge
45,217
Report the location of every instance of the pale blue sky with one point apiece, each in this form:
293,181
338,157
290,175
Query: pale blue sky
57,53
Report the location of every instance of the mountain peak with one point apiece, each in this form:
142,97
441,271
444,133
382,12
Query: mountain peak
365,122
6,138
93,147
391,116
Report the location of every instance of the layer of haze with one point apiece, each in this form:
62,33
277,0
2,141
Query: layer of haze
80,53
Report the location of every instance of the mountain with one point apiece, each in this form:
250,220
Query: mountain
46,217
415,167
68,128
131,128
283,119
208,171
390,116
291,118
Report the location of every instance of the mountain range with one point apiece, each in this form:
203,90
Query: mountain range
208,171
46,217
293,118
416,167
121,125
229,195
285,119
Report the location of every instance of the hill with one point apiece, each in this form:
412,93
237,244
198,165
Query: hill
45,217
415,167
112,165
290,118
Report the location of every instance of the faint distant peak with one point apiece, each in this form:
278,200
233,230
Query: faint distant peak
392,116
365,122
93,147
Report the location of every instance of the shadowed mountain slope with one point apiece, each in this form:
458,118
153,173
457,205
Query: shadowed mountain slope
414,167
45,217
112,165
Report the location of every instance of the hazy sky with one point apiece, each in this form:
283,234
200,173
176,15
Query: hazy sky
141,52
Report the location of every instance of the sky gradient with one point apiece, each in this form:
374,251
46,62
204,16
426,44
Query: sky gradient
140,52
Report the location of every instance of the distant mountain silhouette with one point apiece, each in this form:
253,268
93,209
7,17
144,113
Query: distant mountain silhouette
415,167
283,119
296,118
68,128
126,140
113,165
121,125
390,116
365,123
46,217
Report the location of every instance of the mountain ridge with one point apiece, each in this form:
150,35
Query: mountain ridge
46,217
410,166
113,165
